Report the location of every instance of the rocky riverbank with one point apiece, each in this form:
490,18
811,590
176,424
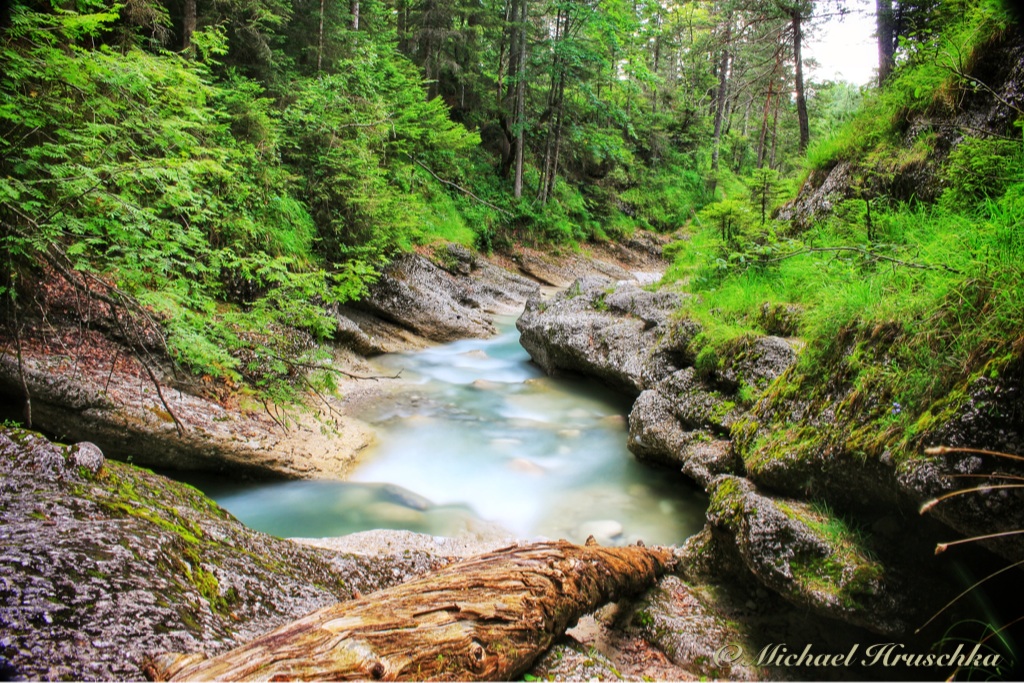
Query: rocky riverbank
102,564
824,531
85,383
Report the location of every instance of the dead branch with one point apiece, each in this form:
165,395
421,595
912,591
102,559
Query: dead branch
869,253
460,188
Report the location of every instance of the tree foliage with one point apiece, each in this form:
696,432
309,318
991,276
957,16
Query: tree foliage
229,170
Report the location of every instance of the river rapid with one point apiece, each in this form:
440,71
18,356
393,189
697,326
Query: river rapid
478,441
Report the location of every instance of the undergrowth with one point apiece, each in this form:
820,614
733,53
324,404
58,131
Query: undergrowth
935,296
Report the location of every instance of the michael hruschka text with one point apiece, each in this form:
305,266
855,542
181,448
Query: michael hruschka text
878,654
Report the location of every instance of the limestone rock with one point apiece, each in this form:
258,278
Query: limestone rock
87,455
754,361
121,415
688,629
417,300
784,543
101,568
598,327
416,294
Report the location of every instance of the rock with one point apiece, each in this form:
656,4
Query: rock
455,258
597,328
415,294
684,429
404,497
350,334
121,413
823,189
397,544
573,661
753,361
708,458
676,620
87,455
497,290
987,415
385,514
782,320
809,559
654,432
417,300
101,568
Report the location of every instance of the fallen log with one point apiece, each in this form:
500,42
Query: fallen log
486,618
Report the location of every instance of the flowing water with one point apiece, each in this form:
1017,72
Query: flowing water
480,439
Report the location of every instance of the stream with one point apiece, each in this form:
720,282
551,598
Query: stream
479,441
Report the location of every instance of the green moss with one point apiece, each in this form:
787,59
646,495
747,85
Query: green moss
727,503
721,410
849,571
209,587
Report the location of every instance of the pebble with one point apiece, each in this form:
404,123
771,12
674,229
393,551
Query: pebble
87,455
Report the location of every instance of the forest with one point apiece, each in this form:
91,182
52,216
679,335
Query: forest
204,203
226,167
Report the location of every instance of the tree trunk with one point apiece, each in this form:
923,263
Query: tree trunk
885,27
486,618
762,139
559,112
723,92
320,40
355,15
801,100
188,23
520,118
775,136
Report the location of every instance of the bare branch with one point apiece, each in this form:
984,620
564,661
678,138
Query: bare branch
460,188
869,253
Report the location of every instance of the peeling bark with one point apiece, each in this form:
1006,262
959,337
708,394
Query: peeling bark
486,618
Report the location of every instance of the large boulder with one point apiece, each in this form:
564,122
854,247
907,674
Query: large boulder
111,401
686,418
416,294
418,300
606,329
687,398
103,564
657,433
810,557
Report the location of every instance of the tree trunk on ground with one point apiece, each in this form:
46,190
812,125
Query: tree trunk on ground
486,618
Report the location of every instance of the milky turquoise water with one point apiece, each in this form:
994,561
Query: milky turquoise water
479,437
